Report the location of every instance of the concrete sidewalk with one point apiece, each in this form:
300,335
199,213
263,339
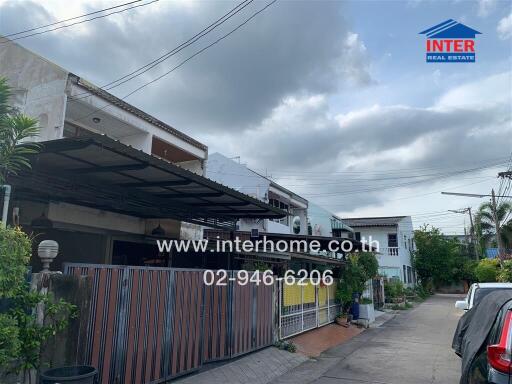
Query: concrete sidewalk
256,368
413,348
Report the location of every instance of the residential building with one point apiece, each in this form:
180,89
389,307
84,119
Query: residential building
395,236
110,179
238,176
321,222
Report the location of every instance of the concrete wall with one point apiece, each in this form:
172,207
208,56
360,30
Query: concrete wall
38,87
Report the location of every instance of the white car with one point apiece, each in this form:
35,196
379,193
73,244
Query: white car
479,290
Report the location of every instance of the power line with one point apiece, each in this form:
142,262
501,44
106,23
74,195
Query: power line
147,67
72,18
78,22
203,49
402,184
186,60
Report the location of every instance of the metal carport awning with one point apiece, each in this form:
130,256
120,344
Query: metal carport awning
99,172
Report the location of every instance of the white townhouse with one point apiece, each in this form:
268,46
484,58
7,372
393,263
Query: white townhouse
238,176
395,236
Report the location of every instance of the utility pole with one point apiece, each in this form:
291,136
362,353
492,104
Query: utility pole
497,224
471,229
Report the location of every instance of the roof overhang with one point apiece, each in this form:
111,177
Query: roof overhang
99,172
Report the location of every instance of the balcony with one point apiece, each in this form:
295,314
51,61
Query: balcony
389,251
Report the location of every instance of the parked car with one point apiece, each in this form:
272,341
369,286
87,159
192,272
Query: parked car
483,340
477,292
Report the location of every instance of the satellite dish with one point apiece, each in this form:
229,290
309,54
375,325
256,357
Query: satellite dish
296,225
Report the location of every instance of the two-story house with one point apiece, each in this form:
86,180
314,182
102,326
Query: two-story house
109,177
395,238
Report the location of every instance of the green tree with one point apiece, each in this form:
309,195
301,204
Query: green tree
356,272
15,129
486,227
436,258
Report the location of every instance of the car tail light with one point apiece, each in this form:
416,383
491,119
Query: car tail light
499,355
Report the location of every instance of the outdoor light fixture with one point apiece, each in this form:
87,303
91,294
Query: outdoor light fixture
158,231
47,251
96,120
41,222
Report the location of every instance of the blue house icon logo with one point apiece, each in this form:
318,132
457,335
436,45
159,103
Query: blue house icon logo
450,42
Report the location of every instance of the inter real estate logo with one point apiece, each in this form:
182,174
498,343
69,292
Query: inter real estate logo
450,42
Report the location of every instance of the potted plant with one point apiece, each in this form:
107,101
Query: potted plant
343,319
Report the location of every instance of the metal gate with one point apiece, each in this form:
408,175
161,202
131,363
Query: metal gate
148,325
305,307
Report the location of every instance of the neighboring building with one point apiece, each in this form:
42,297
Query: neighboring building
237,176
395,236
321,222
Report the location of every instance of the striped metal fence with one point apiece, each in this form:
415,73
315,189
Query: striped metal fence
148,325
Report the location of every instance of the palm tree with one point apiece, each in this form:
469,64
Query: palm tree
486,227
15,128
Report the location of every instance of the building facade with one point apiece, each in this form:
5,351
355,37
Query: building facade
237,176
395,238
111,178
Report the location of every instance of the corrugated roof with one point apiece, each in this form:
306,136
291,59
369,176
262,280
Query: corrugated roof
373,221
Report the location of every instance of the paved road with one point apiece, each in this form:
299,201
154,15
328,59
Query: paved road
412,348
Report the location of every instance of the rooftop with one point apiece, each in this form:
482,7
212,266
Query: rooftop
373,221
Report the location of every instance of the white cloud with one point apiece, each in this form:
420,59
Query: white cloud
467,126
485,7
505,27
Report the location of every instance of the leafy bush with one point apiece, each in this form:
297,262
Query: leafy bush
505,273
22,333
15,249
365,301
9,340
487,270
422,292
393,289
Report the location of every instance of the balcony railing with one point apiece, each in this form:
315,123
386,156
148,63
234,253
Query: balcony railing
389,251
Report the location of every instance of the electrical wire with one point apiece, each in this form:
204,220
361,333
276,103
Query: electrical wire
152,64
184,61
78,22
72,18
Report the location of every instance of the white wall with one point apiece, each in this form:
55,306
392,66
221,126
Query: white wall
380,234
320,220
38,87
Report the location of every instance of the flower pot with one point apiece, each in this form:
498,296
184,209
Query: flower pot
343,321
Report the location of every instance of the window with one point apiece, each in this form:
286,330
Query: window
405,241
392,240
409,275
358,236
71,130
336,232
283,206
405,274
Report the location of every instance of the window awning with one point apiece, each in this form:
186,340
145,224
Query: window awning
99,172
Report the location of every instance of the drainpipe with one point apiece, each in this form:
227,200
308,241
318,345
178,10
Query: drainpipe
7,197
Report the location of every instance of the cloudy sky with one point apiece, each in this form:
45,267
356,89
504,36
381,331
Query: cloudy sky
332,99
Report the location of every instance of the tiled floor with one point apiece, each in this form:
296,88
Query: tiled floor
314,342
